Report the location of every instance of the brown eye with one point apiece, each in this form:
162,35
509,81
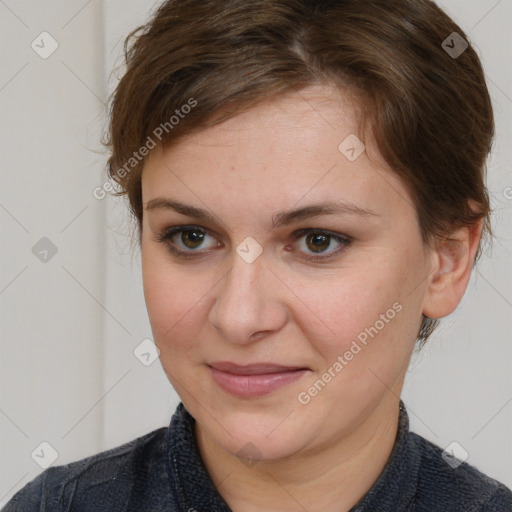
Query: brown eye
192,239
187,241
318,242
319,245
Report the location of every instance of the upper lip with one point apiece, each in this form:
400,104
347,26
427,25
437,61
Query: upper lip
253,369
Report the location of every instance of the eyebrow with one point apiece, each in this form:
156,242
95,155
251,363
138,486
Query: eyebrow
279,219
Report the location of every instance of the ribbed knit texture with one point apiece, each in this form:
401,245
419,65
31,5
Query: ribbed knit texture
162,471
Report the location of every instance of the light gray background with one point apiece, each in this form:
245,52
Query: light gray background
68,375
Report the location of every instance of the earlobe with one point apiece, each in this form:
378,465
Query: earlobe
452,264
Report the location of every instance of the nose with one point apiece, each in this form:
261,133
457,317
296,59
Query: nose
248,304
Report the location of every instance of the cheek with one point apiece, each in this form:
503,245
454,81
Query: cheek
352,302
174,300
372,321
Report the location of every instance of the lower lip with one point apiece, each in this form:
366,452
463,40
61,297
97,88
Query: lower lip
254,385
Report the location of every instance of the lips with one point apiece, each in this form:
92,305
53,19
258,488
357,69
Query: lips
253,369
255,379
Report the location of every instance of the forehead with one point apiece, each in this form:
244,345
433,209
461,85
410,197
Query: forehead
314,114
290,149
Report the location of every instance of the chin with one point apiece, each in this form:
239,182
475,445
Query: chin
259,448
266,435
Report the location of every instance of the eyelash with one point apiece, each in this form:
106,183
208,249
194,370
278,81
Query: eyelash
166,236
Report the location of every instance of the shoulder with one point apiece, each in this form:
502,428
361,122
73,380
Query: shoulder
91,480
448,484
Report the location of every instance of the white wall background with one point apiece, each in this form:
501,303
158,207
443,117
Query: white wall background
69,325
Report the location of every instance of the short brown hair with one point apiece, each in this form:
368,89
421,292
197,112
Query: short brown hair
429,109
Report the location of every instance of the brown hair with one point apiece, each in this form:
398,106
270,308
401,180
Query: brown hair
197,63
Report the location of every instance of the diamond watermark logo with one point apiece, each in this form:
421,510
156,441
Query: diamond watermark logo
455,45
44,45
44,250
249,454
455,454
146,352
352,148
44,455
249,249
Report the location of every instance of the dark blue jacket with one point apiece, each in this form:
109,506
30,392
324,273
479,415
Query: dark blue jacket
163,471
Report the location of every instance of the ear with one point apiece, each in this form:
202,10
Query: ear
452,264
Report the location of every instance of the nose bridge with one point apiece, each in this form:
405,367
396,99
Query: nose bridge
244,304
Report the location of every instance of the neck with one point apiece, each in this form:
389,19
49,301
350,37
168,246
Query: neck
329,478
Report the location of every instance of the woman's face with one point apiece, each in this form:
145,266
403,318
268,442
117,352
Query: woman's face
341,302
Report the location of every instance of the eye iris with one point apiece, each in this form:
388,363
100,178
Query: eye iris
192,239
320,242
